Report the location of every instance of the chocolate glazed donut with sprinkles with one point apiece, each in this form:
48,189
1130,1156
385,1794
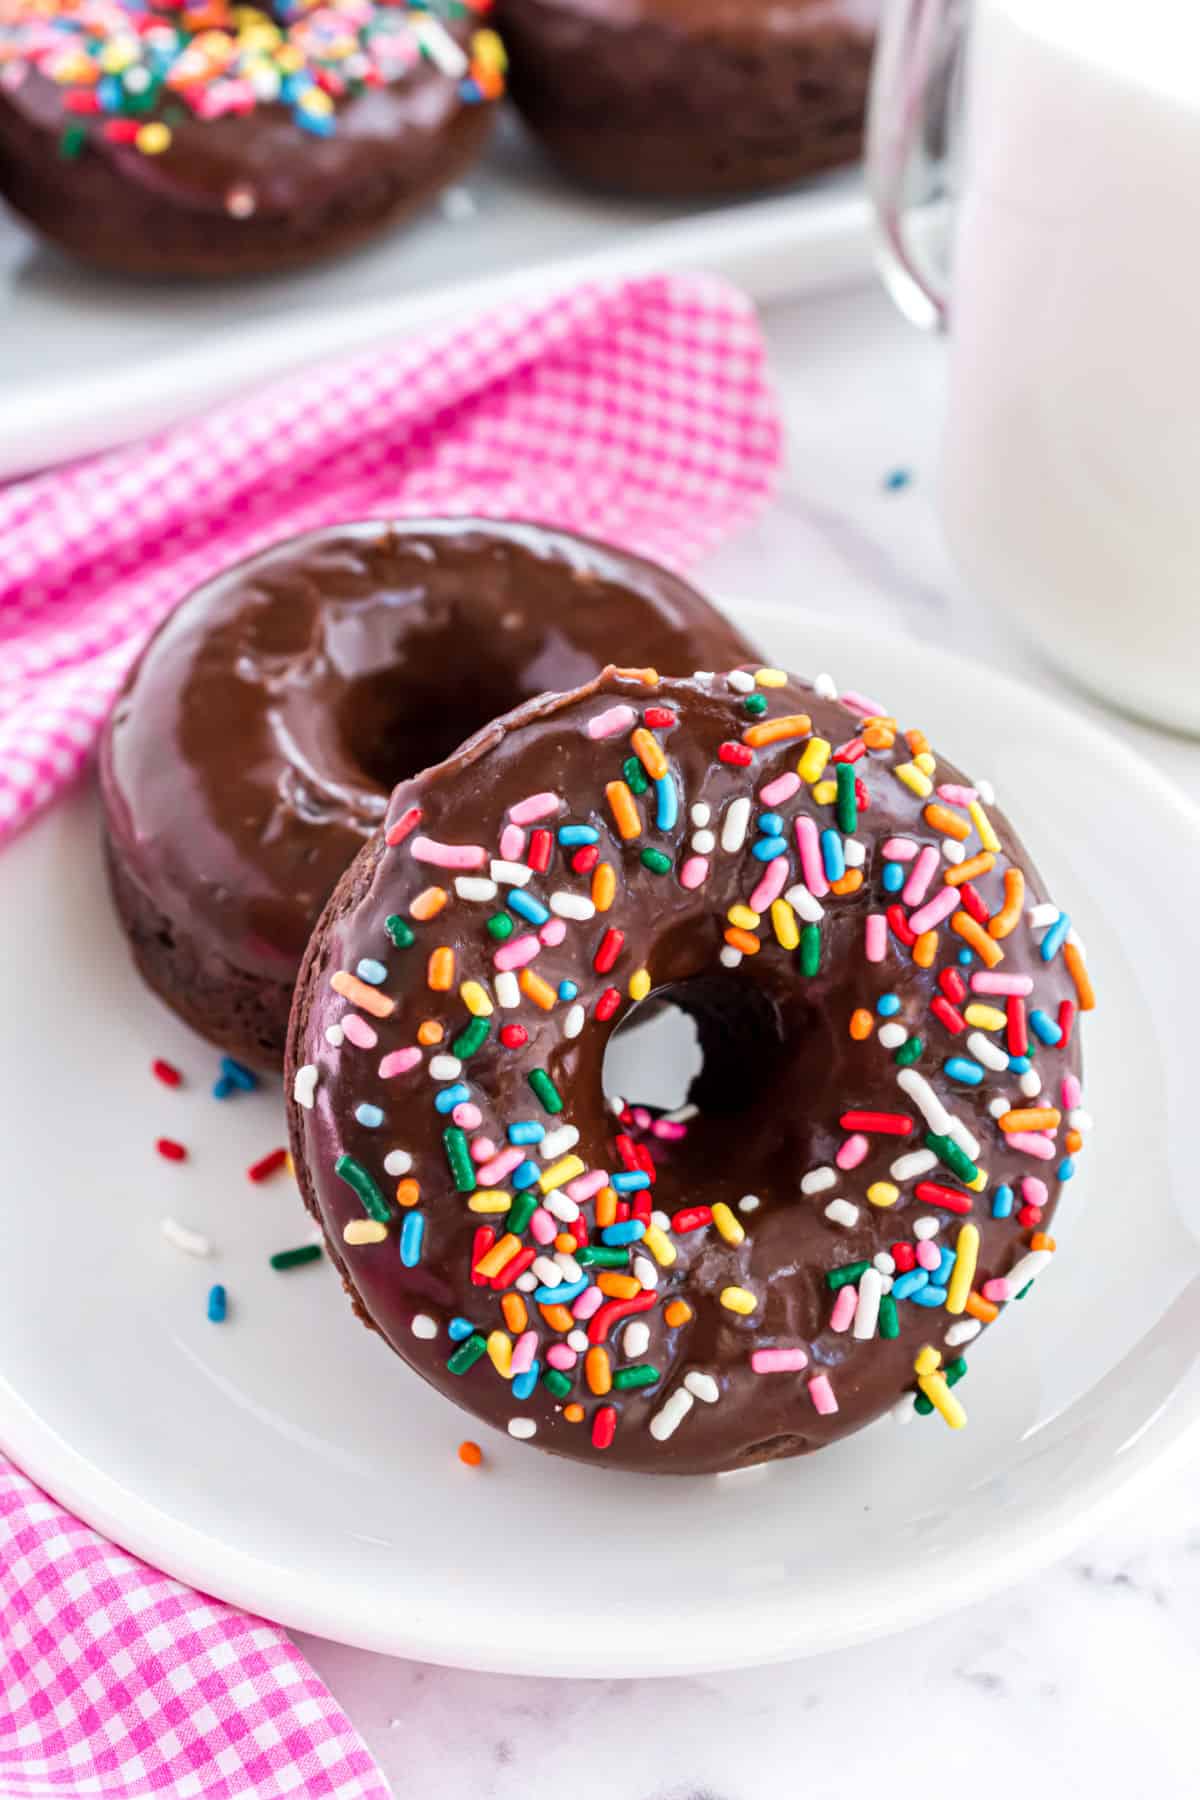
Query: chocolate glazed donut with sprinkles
867,1170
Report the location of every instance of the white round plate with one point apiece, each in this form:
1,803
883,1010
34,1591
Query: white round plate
285,1460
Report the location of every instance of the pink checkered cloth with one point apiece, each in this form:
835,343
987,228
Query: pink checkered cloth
636,411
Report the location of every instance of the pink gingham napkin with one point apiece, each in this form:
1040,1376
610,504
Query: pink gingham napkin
635,411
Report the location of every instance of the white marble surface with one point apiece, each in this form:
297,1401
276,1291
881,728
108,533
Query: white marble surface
1080,1681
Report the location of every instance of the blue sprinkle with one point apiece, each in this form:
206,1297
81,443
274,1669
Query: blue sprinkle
1002,1202
888,1006
470,91
523,1385
834,855
217,1303
628,1181
768,848
412,1235
447,1098
370,970
630,1232
941,1274
559,1296
897,479
570,835
929,1296
525,1175
770,824
667,797
109,92
459,1329
1066,1168
1020,1065
1056,937
567,990
526,1131
966,957
961,1068
905,1286
239,1074
222,1088
525,904
319,124
368,1115
893,877
1044,1028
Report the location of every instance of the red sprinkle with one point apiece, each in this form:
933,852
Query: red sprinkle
607,1315
899,923
740,755
862,798
608,1003
973,903
481,1243
658,718
1066,1021
933,1193
1018,1031
121,131
540,845
905,1258
609,950
166,1072
640,1205
170,1149
850,752
408,821
691,1218
950,1016
82,100
267,1165
585,859
953,986
1029,1215
516,1265
579,1232
893,1124
645,1162
513,1036
604,1427
626,1149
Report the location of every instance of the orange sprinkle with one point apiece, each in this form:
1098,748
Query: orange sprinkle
428,903
647,677
649,753
566,1243
604,886
502,1251
1030,1118
597,1366
678,1312
862,1024
573,1413
470,1454
745,941
429,1031
967,871
1074,1142
917,742
536,989
606,1207
777,731
408,1192
878,736
986,948
1041,1240
1084,991
1009,916
617,1286
361,993
949,824
849,883
516,1313
558,1318
925,949
624,809
981,1309
441,969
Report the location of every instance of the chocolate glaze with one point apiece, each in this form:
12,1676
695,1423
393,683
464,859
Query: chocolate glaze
782,1070
255,742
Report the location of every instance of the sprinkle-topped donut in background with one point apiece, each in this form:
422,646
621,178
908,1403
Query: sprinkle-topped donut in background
255,743
200,137
889,1104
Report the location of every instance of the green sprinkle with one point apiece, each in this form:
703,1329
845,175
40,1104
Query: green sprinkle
545,1090
847,799
889,1318
520,1213
501,926
656,862
755,705
365,1186
923,1405
1025,1290
292,1259
635,776
72,142
400,931
467,1354
810,949
597,1256
459,1158
947,1151
954,1371
558,1383
471,1038
838,1278
639,1376
909,1052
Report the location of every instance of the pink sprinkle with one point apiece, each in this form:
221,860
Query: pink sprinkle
772,884
670,1129
775,1362
501,1165
561,1356
852,1151
524,1351
1033,1191
781,789
876,937
809,842
694,871
364,1036
844,1308
481,1149
467,1115
517,952
928,1254
584,1186
997,1289
607,724
986,981
1032,1143
899,850
1072,1092
920,876
822,1394
588,1302
858,703
512,842
543,1226
956,794
399,1062
553,932
535,807
448,856
640,1117
935,910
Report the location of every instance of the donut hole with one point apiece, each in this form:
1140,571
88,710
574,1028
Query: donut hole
391,730
715,1041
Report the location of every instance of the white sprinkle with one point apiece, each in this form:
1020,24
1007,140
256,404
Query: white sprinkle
885,1263
423,1326
1030,1084
527,1282
818,1181
987,792
561,1206
985,1051
457,204
740,681
566,1262
892,1035
571,906
1042,915
703,843
926,1227
703,675
912,1164
964,1138
904,1409
578,1341
671,1415
805,903
546,1270
842,1212
999,1106
735,823
662,1220
508,991
730,957
749,1203
854,852
510,873
616,1104
682,1114
335,1035
1028,1268
888,1280
522,1428
1074,939
305,1085
442,51
702,1385
825,686
556,1143
1080,1120
635,1340
193,1242
953,851
866,1317
923,1097
445,1068
474,887
962,1331
397,1162
701,813
645,1271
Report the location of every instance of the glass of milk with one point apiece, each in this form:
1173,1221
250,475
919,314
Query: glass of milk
1064,137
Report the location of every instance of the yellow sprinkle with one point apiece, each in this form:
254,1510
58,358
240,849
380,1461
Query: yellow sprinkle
882,1193
771,677
536,988
364,1231
639,984
315,100
500,1349
117,56
926,762
812,764
988,1018
604,886
927,1360
487,48
963,1272
738,1300
744,916
489,1200
659,1245
980,1181
938,1394
784,920
728,1224
914,779
474,997
153,138
825,793
502,1251
565,1169
983,826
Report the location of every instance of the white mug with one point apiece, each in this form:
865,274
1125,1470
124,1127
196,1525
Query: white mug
1070,485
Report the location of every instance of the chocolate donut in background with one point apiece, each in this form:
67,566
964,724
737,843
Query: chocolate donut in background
221,140
692,97
255,743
